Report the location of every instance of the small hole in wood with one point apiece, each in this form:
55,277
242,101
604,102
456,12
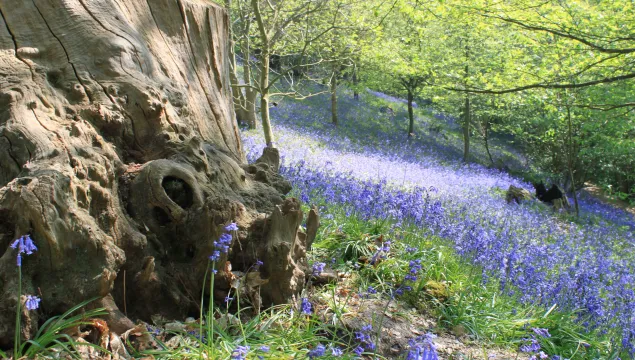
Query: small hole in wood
179,191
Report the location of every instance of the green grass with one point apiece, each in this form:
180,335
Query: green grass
51,337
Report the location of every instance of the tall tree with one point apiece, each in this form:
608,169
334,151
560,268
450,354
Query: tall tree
287,28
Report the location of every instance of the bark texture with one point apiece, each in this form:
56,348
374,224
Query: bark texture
120,155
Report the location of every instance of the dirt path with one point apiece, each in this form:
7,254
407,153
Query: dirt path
401,323
601,195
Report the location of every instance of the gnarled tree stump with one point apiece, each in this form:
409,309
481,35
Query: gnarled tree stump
120,156
517,195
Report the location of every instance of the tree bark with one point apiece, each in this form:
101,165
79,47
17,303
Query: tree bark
119,154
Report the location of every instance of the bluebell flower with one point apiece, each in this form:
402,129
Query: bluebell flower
240,352
542,332
29,246
337,352
264,348
412,250
307,307
32,302
422,348
531,346
318,268
24,245
228,298
358,351
318,351
231,227
363,336
215,255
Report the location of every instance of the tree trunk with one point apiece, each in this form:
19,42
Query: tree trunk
411,117
467,119
250,93
264,99
250,103
120,156
486,141
571,162
334,118
238,96
355,84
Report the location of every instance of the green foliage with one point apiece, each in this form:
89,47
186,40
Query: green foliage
51,337
522,65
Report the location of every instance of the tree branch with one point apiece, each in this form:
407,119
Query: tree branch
567,35
605,80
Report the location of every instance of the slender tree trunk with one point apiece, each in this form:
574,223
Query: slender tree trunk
411,117
486,140
467,116
264,74
571,162
264,98
250,105
355,83
334,118
250,93
467,119
237,94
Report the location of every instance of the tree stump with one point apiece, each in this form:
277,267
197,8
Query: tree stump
517,194
120,156
561,203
